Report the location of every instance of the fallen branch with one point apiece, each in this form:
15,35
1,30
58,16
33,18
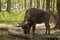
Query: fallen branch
3,28
18,34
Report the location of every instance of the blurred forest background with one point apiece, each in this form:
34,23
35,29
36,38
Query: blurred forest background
13,10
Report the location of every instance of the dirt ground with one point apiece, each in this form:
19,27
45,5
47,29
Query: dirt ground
40,32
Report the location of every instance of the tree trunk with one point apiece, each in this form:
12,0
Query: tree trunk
34,3
15,4
25,4
8,5
38,3
19,4
30,3
48,4
43,7
58,21
0,5
53,5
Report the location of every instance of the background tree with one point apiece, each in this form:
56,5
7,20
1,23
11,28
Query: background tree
58,13
30,3
25,4
15,4
19,4
38,3
43,4
0,5
34,3
8,5
53,5
48,4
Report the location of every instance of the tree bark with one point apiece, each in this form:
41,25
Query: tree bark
53,5
43,4
0,5
58,20
8,5
34,3
19,5
30,3
25,4
48,4
38,3
15,4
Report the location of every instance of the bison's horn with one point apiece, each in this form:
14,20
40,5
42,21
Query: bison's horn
19,25
22,24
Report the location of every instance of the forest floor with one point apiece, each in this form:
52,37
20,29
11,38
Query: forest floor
40,31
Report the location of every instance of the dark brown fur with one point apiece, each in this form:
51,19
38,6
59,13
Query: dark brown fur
35,16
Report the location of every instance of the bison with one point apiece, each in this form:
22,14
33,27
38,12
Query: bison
35,16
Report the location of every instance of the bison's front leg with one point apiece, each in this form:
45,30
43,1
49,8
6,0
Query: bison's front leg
33,29
29,27
47,28
46,20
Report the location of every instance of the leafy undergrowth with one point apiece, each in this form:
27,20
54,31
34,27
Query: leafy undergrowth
13,16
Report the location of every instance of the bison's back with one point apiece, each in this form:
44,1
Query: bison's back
35,15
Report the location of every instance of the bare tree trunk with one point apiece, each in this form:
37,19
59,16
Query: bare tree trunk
43,4
53,5
30,3
0,5
8,5
58,21
48,4
25,4
22,4
15,4
38,3
34,3
19,4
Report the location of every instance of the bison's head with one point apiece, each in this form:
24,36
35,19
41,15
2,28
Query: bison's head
25,26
